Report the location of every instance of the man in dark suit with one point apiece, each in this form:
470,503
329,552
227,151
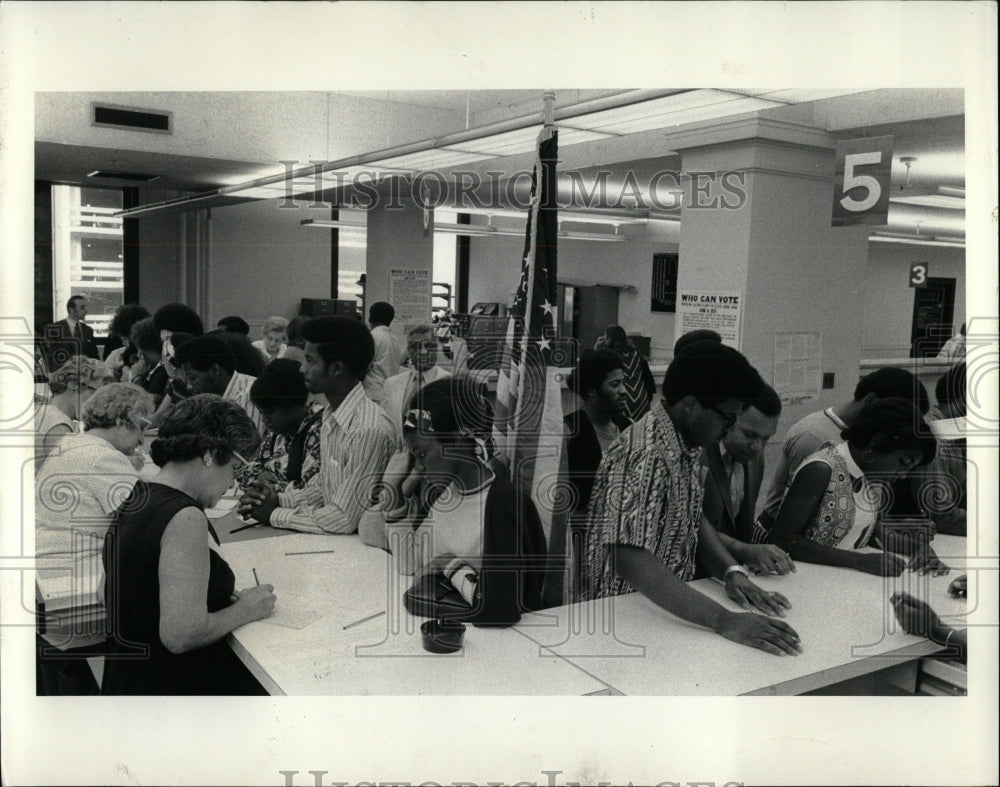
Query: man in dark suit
734,473
70,336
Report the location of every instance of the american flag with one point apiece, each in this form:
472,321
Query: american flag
528,426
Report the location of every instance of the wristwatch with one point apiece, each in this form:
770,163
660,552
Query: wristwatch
736,569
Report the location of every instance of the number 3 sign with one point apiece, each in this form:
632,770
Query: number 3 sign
861,181
918,274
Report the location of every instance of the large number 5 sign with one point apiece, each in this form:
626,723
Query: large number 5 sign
861,181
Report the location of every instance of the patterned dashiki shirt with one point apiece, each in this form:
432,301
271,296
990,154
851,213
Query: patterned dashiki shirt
648,494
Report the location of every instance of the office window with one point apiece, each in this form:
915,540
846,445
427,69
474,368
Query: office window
352,251
445,264
87,252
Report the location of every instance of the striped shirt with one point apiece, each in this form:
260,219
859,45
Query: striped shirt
356,441
647,494
238,391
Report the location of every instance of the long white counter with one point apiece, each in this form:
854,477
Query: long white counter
624,645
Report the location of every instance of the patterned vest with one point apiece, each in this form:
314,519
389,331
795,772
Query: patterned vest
835,514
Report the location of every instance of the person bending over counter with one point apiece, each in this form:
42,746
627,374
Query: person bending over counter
171,597
831,509
735,472
645,519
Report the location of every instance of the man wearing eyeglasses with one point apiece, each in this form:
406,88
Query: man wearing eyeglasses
732,484
645,515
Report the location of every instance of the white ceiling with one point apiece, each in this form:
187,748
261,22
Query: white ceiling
225,138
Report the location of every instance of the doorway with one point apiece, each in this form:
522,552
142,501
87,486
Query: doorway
933,314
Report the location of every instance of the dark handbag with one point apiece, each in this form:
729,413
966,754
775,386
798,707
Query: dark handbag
433,596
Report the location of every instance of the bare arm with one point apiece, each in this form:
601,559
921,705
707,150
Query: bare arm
653,579
799,505
185,622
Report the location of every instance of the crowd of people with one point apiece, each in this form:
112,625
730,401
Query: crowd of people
329,426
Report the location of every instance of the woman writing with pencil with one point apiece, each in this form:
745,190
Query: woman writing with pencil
171,597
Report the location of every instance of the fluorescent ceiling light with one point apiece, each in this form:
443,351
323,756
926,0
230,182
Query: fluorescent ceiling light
916,240
437,158
606,218
800,95
932,201
606,237
331,224
477,230
671,111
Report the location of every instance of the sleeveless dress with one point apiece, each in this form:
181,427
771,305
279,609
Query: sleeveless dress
138,662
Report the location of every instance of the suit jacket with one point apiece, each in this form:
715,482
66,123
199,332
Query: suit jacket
717,505
394,389
61,344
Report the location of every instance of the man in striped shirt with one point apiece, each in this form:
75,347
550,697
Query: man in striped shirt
356,438
645,522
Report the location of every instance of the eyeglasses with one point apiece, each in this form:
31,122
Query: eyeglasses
240,458
728,419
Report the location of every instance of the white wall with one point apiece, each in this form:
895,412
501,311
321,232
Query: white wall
263,263
888,316
494,269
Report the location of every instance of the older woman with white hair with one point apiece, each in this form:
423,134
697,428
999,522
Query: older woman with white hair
72,384
272,343
76,493
81,484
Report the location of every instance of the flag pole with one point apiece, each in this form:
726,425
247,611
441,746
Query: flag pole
549,107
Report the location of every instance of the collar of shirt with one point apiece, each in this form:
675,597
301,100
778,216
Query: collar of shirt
835,418
669,439
236,382
72,323
857,476
343,414
727,458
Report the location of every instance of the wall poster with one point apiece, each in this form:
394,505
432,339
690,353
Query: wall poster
797,358
410,296
721,312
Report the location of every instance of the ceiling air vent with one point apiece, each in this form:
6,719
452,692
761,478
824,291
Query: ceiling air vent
136,176
111,116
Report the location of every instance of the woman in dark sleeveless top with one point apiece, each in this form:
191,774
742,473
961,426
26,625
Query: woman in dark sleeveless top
171,597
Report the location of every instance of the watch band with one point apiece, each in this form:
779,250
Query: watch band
737,569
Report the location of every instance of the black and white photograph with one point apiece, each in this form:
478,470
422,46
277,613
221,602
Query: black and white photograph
510,393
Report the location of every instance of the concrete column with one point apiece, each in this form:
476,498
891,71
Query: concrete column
396,239
763,227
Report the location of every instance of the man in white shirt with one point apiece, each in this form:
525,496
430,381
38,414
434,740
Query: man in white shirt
806,436
388,355
356,438
209,366
422,347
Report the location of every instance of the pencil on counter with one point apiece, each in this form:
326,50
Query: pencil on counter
314,552
364,620
255,576
243,527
